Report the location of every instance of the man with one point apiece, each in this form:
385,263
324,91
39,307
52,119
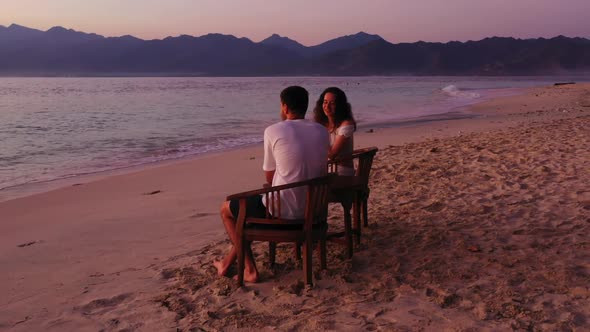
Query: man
295,150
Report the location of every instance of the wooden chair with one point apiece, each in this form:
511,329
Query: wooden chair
365,162
353,192
274,229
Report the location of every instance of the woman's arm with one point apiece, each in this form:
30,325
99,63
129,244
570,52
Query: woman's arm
336,148
340,142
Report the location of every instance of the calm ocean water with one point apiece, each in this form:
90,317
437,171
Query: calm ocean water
55,128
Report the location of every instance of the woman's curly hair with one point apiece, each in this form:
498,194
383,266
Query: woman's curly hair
343,109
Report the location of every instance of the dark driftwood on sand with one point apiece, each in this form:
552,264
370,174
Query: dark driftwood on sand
563,83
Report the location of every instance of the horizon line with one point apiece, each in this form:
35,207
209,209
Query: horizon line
272,34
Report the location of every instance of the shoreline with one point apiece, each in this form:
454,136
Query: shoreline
136,248
39,187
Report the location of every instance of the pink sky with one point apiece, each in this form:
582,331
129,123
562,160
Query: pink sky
309,22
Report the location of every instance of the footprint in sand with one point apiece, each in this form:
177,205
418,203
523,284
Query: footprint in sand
434,207
102,305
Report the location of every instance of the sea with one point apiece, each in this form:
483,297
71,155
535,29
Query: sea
52,129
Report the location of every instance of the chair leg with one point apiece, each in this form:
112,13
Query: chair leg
307,257
365,212
272,253
240,246
356,210
348,231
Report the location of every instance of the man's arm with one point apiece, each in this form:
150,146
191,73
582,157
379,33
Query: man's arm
268,165
269,176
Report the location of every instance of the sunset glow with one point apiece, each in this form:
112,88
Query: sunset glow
308,22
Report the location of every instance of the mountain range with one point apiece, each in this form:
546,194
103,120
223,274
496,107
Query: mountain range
65,52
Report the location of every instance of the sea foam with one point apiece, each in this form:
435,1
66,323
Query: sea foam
453,91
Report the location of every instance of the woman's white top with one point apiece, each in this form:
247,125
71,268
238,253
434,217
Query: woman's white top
347,167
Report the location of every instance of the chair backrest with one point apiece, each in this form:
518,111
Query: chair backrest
365,158
316,207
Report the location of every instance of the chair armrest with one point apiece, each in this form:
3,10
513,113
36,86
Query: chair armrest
355,155
269,189
249,193
333,164
372,150
341,159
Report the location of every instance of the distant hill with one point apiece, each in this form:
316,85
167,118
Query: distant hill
490,56
343,43
286,43
16,32
62,52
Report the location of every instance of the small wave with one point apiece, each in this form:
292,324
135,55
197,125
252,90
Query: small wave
123,161
190,149
453,91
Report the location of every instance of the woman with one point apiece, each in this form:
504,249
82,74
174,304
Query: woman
334,112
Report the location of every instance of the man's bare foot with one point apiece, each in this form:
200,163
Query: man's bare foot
221,268
251,277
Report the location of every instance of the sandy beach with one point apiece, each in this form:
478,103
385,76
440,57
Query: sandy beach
478,223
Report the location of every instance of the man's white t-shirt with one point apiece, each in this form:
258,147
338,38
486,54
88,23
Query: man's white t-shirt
296,150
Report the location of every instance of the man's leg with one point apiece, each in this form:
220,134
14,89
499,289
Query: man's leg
250,272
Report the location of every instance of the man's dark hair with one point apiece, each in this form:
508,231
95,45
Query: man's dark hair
296,98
